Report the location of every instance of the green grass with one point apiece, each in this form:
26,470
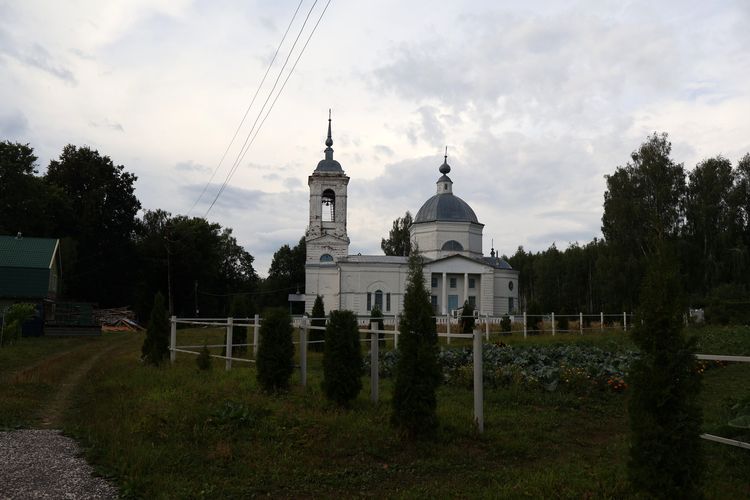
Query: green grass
30,371
175,432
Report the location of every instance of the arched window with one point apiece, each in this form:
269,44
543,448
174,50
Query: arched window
379,299
328,202
452,246
326,257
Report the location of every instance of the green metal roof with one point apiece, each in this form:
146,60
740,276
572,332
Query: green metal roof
34,253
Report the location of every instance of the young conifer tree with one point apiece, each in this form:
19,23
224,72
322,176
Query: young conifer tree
467,318
418,371
276,351
318,320
342,358
666,459
155,348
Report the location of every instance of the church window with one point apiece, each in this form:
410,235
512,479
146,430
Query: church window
387,301
510,285
473,300
511,308
472,283
379,299
434,282
452,246
328,202
326,257
452,282
434,303
369,301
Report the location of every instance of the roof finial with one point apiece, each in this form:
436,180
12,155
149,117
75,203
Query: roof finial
329,141
445,168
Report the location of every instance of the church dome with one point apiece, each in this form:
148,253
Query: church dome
445,206
328,164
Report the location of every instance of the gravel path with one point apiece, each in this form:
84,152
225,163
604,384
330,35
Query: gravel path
46,464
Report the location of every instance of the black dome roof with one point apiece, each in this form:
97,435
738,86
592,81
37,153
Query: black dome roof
445,207
326,165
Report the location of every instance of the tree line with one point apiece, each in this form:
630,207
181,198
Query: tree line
706,215
115,257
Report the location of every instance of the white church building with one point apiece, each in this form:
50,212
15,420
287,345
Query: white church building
445,230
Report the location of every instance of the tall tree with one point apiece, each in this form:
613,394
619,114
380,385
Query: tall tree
27,204
709,222
643,203
398,241
286,275
102,197
418,370
200,262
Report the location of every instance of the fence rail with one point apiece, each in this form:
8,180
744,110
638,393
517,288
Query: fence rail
374,333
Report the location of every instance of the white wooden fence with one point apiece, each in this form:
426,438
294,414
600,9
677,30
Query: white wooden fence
372,336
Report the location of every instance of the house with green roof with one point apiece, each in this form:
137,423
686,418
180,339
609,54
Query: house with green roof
30,268
30,271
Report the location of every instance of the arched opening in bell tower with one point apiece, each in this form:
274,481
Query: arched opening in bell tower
328,201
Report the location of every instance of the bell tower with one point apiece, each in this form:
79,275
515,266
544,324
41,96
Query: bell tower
326,238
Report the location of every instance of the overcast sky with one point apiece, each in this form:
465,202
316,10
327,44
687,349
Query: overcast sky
537,102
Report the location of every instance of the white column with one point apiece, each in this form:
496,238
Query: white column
466,287
445,294
256,330
373,362
228,364
478,382
303,350
172,338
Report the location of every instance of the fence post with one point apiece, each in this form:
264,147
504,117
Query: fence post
172,338
478,382
256,330
524,324
230,328
303,351
580,322
448,329
553,324
487,327
625,321
395,332
601,321
374,362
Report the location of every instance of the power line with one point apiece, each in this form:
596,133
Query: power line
247,145
252,101
281,89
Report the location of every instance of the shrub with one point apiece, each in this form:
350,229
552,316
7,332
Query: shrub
13,322
203,361
505,324
728,304
276,351
418,371
319,320
533,316
467,318
376,316
155,348
342,358
666,458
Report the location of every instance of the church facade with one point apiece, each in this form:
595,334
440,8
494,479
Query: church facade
445,230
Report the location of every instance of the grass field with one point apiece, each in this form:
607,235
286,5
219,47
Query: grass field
175,432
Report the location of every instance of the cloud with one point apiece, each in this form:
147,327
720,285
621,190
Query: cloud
34,55
13,125
107,124
191,166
